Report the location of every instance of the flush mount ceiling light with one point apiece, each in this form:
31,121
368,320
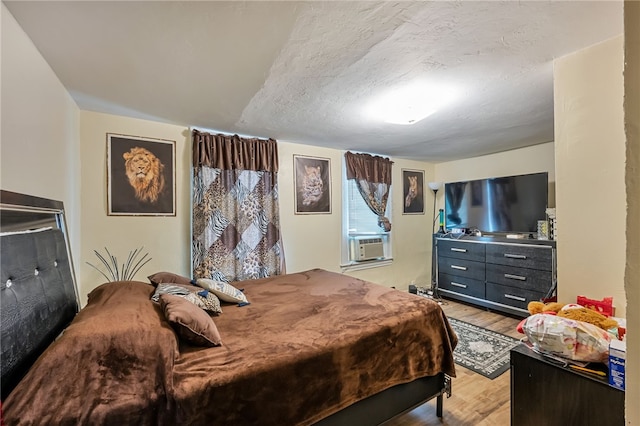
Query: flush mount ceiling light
410,104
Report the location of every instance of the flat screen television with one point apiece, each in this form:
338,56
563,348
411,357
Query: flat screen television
510,204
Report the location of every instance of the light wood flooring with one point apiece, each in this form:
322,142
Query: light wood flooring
475,400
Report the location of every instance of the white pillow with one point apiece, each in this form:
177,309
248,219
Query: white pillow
225,292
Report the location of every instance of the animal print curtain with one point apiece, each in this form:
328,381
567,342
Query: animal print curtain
236,222
373,177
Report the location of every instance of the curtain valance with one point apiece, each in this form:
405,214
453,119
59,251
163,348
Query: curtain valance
231,152
372,168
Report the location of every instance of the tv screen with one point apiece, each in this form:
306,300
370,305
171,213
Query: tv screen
501,205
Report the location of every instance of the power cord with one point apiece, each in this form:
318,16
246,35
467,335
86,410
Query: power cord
431,293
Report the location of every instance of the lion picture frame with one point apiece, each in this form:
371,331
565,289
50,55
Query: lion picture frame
141,176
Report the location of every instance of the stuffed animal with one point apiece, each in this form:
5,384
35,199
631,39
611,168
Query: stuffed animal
574,312
541,308
580,313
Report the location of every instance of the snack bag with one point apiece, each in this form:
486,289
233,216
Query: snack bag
576,340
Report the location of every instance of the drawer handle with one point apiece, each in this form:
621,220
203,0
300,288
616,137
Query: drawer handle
461,268
515,277
458,285
459,250
514,256
511,296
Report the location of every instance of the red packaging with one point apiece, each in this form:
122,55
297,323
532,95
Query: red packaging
621,332
604,306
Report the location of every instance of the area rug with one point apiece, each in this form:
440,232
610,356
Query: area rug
480,350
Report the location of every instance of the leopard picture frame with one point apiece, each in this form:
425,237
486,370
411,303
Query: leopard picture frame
312,185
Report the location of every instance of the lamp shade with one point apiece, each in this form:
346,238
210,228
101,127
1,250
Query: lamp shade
435,185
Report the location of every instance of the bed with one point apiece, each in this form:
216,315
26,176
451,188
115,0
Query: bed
314,347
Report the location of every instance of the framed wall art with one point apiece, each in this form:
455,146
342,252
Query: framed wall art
413,191
141,176
312,183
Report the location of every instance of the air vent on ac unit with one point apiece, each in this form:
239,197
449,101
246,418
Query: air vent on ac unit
368,248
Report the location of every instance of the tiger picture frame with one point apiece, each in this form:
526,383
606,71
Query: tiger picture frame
141,176
312,184
412,191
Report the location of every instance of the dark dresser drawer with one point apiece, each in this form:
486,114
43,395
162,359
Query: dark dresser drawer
461,268
511,296
461,250
524,256
468,286
524,278
494,271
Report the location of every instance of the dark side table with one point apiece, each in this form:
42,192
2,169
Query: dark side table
544,392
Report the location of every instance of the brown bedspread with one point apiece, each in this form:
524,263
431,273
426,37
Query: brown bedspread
308,345
113,365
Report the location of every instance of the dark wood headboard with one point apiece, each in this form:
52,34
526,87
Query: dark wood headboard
39,296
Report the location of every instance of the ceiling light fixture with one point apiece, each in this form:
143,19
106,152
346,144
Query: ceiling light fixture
410,104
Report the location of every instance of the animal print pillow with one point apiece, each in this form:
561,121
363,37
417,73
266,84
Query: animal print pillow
203,299
225,292
176,289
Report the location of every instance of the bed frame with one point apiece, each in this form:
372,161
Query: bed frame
40,299
39,293
393,402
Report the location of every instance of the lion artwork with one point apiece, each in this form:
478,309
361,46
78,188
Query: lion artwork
145,173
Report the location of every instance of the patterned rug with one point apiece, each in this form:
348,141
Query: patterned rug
480,350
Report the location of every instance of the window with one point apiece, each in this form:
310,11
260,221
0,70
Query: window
364,243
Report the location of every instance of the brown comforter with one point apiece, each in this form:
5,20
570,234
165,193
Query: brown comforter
113,365
308,345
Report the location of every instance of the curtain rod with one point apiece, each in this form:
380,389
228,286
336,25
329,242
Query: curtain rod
202,129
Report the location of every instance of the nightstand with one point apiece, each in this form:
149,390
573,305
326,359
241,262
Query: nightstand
544,392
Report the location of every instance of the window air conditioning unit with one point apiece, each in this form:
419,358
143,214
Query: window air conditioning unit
367,248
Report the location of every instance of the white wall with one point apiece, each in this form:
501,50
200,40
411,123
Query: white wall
314,241
590,167
533,159
166,238
310,241
39,140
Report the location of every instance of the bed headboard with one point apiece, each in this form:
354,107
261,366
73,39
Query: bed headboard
39,296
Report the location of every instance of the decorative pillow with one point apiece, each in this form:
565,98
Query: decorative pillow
176,289
168,278
190,322
206,300
225,292
203,299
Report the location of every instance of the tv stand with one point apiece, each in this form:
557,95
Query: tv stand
499,273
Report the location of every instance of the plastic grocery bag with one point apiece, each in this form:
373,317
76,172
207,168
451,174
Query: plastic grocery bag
575,340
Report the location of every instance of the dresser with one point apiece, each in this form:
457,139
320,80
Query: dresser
495,272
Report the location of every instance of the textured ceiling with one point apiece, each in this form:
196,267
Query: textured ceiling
304,72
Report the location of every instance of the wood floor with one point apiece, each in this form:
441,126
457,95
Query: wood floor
475,400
